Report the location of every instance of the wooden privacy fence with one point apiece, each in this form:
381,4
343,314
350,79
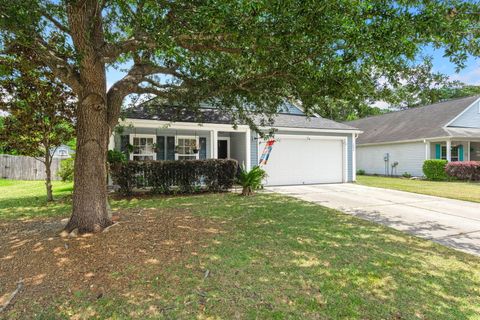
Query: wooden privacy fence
25,168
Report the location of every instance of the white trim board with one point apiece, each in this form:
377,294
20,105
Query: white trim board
348,131
434,139
158,124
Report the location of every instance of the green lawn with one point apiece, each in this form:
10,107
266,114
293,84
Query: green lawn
469,191
26,199
275,258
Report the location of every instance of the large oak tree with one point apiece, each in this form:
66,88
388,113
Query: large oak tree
246,56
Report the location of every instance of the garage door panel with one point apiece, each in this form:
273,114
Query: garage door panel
303,160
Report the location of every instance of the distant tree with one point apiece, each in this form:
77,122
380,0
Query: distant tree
456,90
408,97
39,110
348,110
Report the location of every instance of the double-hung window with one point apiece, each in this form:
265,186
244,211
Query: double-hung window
454,153
143,147
186,147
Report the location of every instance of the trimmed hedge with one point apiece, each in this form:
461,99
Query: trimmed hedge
182,176
435,169
464,170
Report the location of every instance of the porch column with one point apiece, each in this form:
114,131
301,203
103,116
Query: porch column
111,142
449,150
247,149
354,157
214,144
427,150
468,151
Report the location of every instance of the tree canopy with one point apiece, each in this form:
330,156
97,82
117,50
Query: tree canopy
243,52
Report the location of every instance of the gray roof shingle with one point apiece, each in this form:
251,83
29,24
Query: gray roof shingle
416,123
212,115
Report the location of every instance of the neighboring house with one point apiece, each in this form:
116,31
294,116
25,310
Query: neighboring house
306,151
447,130
62,152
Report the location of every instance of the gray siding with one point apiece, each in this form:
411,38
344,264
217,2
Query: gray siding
350,158
238,147
410,158
253,148
470,118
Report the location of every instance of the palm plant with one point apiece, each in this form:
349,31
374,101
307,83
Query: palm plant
251,180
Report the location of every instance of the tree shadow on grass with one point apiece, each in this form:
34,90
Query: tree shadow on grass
34,207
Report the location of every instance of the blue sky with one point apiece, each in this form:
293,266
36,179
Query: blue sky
469,75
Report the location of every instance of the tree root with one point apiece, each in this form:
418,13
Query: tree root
12,296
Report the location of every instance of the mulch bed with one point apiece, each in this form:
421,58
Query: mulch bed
52,266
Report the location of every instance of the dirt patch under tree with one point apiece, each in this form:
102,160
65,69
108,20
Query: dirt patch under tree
51,266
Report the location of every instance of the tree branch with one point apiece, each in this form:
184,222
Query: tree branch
131,84
59,66
111,51
209,47
55,22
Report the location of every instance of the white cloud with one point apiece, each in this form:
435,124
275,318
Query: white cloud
381,104
470,75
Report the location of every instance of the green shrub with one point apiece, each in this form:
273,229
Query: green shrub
183,176
406,175
360,172
115,156
66,169
251,180
435,169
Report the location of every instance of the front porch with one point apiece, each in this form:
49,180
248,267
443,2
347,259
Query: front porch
454,150
145,140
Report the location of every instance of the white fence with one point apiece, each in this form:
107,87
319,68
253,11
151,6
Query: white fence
25,168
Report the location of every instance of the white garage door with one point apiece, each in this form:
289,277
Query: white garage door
304,160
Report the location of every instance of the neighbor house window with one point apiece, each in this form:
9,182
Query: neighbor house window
143,148
454,153
186,147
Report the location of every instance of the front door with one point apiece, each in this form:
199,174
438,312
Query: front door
222,149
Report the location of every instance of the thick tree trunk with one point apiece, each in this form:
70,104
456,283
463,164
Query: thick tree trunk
48,174
90,213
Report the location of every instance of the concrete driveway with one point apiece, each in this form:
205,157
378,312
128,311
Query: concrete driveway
452,223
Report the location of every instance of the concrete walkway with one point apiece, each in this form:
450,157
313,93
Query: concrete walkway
453,223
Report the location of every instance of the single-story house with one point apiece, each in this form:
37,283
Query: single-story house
62,152
307,150
447,130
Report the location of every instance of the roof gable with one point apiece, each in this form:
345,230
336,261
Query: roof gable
469,118
412,124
